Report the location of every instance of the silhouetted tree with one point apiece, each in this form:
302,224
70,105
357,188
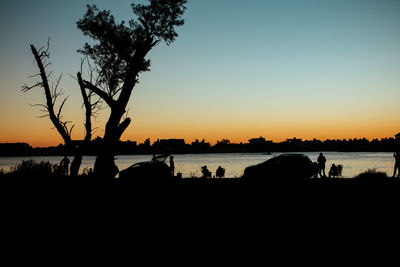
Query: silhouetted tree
52,94
119,54
223,142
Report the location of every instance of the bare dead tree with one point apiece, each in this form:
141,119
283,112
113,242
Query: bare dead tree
93,105
52,94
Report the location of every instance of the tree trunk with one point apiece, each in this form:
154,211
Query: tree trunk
75,165
105,165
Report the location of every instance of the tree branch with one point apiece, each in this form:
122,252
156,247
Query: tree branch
110,102
61,106
134,68
88,107
122,127
146,27
25,88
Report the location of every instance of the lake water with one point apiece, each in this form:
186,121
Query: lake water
234,163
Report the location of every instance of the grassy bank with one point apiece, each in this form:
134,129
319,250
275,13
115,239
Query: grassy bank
79,219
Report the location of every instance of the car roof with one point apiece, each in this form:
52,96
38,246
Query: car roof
156,159
287,156
292,155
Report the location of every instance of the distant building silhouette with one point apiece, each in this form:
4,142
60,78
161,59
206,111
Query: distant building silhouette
127,147
172,142
15,149
200,146
259,141
177,146
147,142
312,142
170,145
294,140
132,143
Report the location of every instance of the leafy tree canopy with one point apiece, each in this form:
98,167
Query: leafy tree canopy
119,45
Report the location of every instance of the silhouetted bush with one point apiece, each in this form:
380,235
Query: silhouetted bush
33,168
371,175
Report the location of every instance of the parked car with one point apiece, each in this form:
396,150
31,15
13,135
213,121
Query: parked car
154,170
285,167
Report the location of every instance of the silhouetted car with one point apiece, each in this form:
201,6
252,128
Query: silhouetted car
282,168
155,170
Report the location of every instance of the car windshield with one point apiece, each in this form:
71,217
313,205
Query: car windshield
136,165
160,158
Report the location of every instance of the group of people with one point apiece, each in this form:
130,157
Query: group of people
318,170
334,171
220,172
337,170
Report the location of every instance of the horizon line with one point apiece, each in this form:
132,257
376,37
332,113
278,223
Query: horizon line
396,136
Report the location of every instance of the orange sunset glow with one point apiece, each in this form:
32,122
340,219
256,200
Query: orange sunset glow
330,78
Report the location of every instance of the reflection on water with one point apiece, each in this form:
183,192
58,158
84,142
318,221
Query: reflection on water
234,163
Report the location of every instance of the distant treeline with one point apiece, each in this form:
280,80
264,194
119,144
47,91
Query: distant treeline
178,146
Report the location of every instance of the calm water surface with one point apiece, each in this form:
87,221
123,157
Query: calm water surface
234,163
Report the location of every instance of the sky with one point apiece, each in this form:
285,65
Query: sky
325,69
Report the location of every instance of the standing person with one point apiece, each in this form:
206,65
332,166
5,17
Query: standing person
172,165
64,164
321,164
396,156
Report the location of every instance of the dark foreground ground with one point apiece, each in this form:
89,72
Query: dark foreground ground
78,222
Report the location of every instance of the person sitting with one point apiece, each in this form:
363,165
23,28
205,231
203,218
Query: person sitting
206,173
339,170
220,172
333,172
315,169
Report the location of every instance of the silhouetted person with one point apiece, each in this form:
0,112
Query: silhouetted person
206,172
333,172
396,156
172,165
321,164
64,164
339,170
220,172
315,169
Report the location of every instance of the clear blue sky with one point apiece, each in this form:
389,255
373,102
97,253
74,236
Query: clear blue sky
239,69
